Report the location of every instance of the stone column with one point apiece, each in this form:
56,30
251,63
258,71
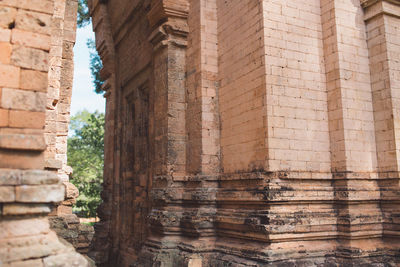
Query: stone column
382,19
27,190
103,240
351,128
168,19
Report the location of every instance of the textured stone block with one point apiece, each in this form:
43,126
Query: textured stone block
3,117
30,58
33,80
29,39
25,263
25,209
63,209
33,21
5,52
30,244
24,227
71,259
22,99
10,177
22,157
71,191
5,35
27,119
9,76
22,142
40,193
7,16
43,6
53,163
38,177
7,194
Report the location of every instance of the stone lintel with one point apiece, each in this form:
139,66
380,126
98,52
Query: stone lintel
27,177
374,8
53,164
25,209
22,142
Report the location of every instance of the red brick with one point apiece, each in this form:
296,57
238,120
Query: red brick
31,39
3,117
9,76
33,80
26,119
5,35
5,53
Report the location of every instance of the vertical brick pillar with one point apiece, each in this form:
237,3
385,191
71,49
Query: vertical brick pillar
169,41
351,126
382,20
105,238
27,191
168,21
59,98
202,115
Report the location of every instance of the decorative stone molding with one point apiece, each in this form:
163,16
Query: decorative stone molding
373,8
169,22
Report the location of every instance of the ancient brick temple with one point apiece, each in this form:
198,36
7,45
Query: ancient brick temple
249,132
238,132
36,69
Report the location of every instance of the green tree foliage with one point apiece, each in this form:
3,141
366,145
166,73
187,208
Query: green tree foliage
86,157
95,66
95,61
83,13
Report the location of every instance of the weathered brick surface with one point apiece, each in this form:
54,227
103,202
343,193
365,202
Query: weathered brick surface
242,85
41,193
237,132
35,22
3,117
33,80
270,128
27,190
5,35
9,76
5,52
29,58
7,194
29,39
26,119
25,209
22,100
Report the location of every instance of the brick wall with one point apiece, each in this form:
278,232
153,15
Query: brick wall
298,134
272,135
242,85
27,190
202,85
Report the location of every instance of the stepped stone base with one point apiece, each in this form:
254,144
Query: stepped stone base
68,227
30,242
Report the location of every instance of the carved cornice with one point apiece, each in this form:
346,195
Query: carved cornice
169,33
169,21
162,10
367,3
104,42
374,8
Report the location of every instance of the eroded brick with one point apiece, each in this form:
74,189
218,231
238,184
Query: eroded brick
27,119
33,80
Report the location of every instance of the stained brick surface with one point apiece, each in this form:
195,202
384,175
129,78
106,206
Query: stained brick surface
238,132
28,191
271,126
